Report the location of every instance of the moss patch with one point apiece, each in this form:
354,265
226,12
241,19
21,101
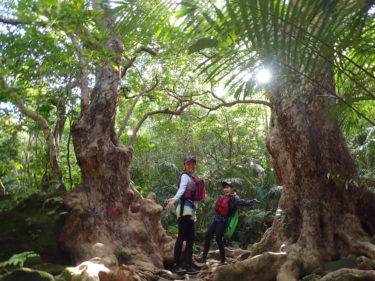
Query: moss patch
27,274
343,263
32,223
311,277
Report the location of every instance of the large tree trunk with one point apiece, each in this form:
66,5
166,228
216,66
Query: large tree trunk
110,220
318,218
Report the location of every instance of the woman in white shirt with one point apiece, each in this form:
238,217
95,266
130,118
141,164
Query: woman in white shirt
186,214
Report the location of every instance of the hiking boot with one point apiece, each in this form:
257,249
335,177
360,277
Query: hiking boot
178,270
201,259
191,271
223,263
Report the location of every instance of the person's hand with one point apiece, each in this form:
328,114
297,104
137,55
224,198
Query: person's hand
256,202
170,204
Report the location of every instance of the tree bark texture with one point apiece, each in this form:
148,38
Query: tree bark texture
110,219
320,216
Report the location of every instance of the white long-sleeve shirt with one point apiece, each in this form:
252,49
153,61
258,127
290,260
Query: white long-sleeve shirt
188,210
185,180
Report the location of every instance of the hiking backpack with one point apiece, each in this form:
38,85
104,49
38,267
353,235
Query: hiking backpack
222,205
195,190
233,221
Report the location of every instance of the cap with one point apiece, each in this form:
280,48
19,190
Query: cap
225,183
189,158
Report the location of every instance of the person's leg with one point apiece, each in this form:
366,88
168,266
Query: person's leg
207,241
190,233
182,228
189,247
179,241
219,232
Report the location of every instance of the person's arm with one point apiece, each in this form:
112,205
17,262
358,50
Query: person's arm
243,202
181,190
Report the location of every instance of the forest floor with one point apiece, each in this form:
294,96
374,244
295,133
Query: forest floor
206,270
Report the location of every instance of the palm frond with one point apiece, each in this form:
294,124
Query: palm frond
135,16
294,35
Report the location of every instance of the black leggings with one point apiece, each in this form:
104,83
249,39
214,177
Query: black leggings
186,230
216,228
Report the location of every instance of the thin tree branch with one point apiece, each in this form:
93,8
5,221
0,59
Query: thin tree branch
17,22
46,128
189,102
127,66
148,114
173,93
131,60
125,88
61,111
28,112
68,152
229,104
84,81
2,188
131,109
147,50
216,97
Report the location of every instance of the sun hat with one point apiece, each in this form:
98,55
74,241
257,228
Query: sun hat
189,158
225,183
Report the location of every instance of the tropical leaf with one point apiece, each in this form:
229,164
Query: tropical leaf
203,43
149,17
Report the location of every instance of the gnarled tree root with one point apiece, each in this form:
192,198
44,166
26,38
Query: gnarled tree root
131,234
282,266
264,267
365,263
346,274
289,271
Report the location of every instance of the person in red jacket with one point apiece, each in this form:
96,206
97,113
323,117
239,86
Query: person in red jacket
225,206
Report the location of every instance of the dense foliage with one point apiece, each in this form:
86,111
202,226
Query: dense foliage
40,65
229,144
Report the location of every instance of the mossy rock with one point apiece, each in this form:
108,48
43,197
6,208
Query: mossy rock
311,277
343,263
352,277
32,223
23,274
366,263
